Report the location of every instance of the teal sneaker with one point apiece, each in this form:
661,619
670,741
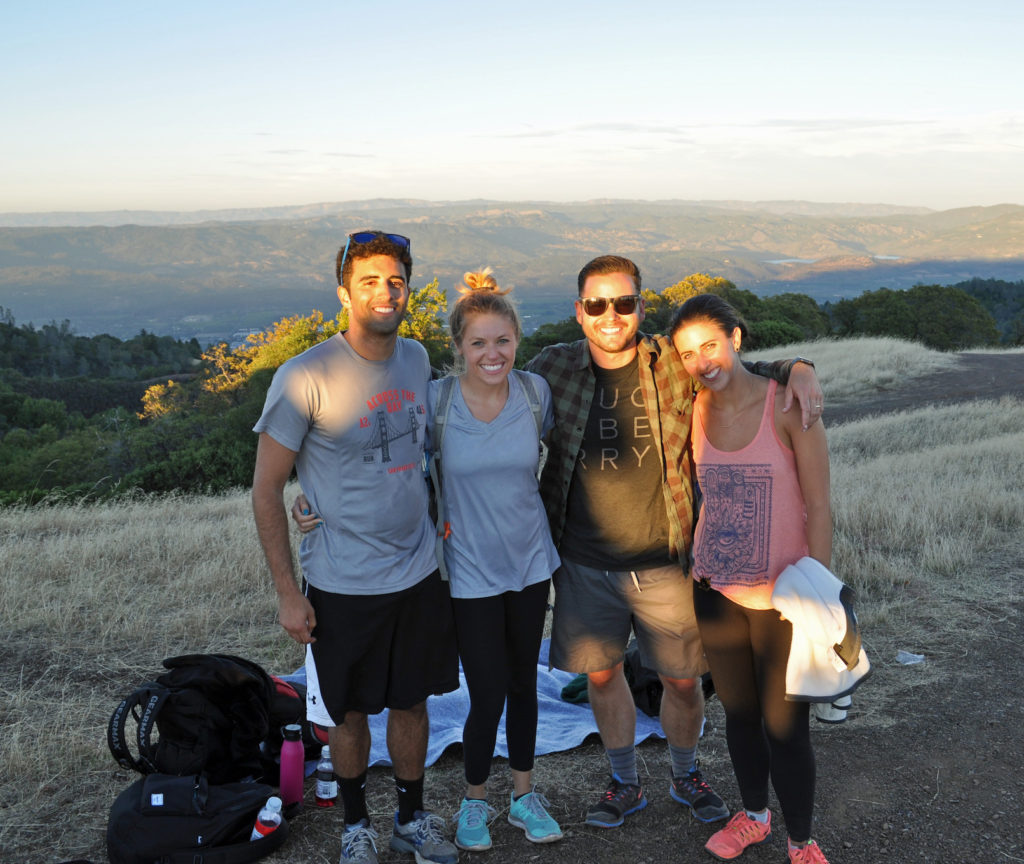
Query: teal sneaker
530,814
472,818
423,835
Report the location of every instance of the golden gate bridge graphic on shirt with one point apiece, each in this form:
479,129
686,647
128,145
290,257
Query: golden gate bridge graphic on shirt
385,431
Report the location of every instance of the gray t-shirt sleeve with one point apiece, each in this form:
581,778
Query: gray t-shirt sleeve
287,412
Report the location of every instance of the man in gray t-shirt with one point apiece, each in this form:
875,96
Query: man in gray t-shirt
349,415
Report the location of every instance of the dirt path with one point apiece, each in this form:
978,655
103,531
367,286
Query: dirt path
978,376
943,782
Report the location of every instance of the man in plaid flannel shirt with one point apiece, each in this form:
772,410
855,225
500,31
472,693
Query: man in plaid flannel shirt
618,490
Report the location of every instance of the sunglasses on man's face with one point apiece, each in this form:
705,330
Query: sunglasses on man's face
625,305
360,237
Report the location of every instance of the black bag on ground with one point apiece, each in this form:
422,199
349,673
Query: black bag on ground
163,819
211,712
288,705
644,683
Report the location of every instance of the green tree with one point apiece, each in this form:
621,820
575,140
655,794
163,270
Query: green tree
938,316
798,310
425,322
35,413
566,330
1004,301
659,307
875,313
950,319
767,333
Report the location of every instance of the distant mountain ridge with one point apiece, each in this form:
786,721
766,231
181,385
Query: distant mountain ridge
209,273
114,218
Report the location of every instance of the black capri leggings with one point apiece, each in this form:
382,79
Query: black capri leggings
747,650
499,640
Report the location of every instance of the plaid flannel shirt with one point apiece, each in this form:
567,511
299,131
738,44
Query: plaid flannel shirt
668,401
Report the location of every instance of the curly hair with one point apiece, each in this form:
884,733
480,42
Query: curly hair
379,245
480,295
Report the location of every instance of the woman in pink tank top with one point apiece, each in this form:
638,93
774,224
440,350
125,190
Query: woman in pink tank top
765,487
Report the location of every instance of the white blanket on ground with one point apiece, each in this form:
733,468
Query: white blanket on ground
560,725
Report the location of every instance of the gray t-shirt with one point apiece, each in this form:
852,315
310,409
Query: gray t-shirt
359,428
500,537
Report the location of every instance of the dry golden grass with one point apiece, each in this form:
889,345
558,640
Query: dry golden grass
93,597
850,367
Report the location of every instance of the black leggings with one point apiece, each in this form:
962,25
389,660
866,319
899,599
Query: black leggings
499,640
747,650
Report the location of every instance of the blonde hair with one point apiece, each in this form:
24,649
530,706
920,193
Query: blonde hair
480,295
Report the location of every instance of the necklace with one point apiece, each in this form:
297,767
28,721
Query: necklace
735,417
736,414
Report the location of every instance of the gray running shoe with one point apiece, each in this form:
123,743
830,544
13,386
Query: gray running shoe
357,843
424,836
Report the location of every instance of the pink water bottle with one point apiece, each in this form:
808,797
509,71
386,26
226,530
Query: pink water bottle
293,764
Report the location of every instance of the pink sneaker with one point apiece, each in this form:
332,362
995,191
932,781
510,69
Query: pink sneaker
809,854
740,832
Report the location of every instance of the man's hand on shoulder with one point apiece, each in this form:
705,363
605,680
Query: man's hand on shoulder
805,388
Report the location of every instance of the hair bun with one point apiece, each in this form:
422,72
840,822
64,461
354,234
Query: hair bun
480,281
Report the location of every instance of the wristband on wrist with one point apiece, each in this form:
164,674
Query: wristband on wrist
803,360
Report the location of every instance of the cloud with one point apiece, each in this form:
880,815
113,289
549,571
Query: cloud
829,124
600,128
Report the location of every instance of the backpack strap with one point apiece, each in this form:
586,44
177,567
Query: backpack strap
157,696
233,853
533,397
142,705
442,406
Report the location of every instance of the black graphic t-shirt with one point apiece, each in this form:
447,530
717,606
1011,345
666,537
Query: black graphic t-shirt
615,513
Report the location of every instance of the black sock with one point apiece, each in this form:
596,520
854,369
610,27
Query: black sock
410,798
353,798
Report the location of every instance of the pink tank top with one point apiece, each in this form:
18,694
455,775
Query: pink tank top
753,521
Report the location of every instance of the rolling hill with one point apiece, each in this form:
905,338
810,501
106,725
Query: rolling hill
208,274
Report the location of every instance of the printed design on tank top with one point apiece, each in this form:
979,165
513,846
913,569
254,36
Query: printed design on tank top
394,415
736,521
619,447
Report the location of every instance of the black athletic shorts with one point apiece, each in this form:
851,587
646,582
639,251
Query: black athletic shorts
377,651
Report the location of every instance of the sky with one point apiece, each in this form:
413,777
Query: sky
202,105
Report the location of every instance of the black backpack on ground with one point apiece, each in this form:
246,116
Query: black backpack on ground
644,683
646,686
211,712
288,705
163,819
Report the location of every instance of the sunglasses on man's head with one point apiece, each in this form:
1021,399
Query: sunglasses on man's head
625,305
360,237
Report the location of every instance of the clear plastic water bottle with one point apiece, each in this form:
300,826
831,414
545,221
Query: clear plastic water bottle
326,782
293,764
268,819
